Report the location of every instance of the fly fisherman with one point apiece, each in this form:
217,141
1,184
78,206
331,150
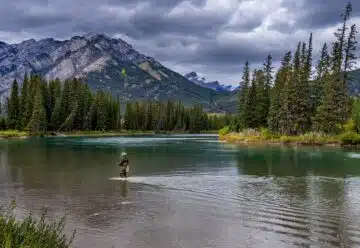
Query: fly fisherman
124,165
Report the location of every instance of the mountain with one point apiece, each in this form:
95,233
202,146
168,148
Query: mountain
214,85
354,85
99,60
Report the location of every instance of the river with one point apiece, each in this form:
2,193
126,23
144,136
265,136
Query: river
187,191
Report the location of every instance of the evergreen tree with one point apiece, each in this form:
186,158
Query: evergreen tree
318,85
251,118
128,117
261,99
38,124
302,123
102,114
268,71
23,100
350,56
282,119
14,107
243,101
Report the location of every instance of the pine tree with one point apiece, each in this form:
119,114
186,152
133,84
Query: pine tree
55,116
54,98
268,70
37,124
318,85
251,118
23,100
33,84
341,97
14,107
128,117
196,119
302,123
102,114
243,101
350,56
281,118
65,108
261,102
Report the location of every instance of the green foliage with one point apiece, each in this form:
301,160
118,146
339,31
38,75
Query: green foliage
32,232
14,106
355,115
38,121
266,134
74,107
350,138
225,130
299,105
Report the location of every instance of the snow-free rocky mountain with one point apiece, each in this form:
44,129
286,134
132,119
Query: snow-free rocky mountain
214,85
99,60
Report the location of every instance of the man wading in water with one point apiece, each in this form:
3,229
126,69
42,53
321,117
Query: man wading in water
124,165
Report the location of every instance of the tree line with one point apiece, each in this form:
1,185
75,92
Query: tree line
297,101
41,106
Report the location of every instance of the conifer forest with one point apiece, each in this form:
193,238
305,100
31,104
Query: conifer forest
297,99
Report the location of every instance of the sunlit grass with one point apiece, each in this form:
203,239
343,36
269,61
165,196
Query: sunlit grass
13,133
265,136
31,232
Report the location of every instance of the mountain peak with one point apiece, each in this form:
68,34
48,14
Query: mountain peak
191,74
100,60
214,85
94,36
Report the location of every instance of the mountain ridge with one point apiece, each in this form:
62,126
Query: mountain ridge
214,85
99,60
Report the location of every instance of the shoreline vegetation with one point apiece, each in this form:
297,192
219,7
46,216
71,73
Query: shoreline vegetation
31,231
299,105
264,137
37,107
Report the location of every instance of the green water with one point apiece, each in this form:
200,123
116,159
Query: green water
187,191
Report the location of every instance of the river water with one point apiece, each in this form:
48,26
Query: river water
187,191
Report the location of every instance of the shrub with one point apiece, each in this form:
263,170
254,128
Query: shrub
31,232
350,138
266,134
287,139
349,126
224,130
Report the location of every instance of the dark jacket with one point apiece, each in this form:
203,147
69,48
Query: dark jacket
124,162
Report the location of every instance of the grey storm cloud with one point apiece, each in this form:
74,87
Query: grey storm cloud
209,35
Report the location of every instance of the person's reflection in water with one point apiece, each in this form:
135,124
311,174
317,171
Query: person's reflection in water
124,189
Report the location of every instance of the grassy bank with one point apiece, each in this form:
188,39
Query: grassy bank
310,139
13,134
32,232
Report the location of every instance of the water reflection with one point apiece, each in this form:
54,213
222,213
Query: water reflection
189,193
297,162
311,193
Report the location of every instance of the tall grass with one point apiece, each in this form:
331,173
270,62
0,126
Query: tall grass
31,232
263,135
13,133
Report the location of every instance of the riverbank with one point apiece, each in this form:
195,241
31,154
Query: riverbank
348,139
15,134
32,232
6,134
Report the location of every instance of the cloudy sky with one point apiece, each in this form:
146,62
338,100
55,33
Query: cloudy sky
212,37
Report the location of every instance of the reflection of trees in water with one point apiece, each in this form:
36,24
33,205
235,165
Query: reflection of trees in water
296,162
68,181
320,204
